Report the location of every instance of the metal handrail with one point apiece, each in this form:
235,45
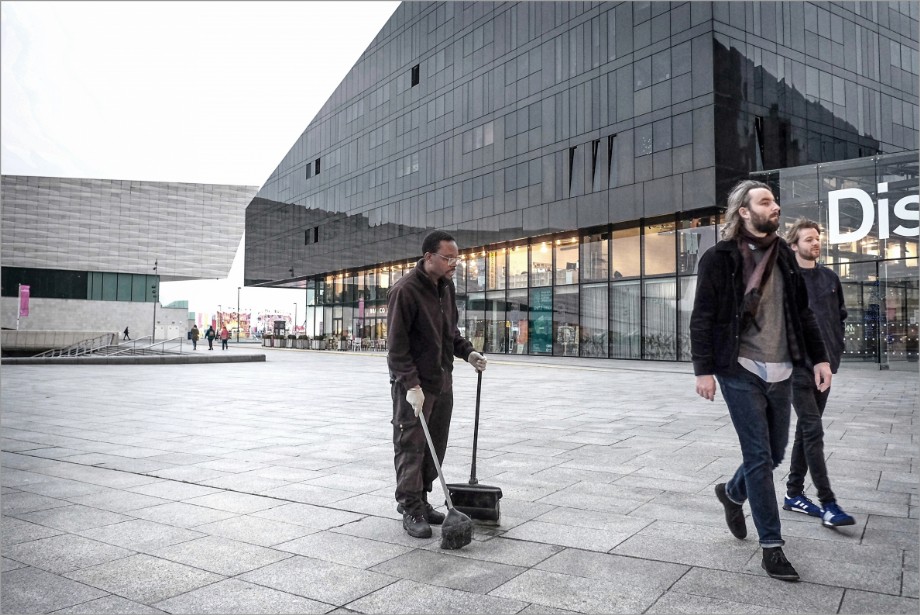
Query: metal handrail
82,347
152,346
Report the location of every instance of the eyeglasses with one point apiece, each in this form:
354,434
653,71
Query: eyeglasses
451,260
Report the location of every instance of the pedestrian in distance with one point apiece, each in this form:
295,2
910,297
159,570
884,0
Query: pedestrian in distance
825,297
196,334
126,336
224,336
750,326
209,335
423,340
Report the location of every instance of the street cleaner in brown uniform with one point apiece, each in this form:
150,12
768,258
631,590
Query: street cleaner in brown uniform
423,339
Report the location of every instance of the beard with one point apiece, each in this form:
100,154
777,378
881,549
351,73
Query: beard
764,224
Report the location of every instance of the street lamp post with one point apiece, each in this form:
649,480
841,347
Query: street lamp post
153,288
295,318
220,308
238,319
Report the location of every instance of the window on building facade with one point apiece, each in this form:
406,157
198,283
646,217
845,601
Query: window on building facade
415,75
566,256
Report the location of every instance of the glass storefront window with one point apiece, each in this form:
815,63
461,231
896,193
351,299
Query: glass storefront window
594,322
383,283
517,318
566,261
659,248
124,287
476,273
541,263
350,290
460,277
540,321
626,261
372,282
497,269
496,329
684,310
594,257
138,290
339,287
476,320
625,320
517,267
659,326
694,237
565,321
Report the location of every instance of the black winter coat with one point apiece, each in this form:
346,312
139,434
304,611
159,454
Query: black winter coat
825,298
716,318
422,333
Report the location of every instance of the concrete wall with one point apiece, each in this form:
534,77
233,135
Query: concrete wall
192,230
72,315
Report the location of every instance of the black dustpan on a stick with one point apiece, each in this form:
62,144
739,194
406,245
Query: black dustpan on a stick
480,502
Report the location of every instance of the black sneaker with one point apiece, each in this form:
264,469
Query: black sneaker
734,513
431,515
777,566
416,526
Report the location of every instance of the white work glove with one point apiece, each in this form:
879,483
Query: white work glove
416,398
478,361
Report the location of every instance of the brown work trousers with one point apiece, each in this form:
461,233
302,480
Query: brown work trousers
415,471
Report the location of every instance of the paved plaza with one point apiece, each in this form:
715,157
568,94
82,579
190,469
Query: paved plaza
268,488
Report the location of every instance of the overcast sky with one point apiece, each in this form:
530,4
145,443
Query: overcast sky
201,92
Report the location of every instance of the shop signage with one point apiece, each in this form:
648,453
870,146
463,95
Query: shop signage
901,210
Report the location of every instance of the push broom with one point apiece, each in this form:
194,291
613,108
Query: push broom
457,528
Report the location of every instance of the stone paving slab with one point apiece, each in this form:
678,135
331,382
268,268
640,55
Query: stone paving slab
122,493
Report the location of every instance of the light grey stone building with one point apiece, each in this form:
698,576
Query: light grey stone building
93,251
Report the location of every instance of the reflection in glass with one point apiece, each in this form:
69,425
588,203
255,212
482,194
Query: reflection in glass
517,318
541,321
517,267
565,321
594,260
659,327
594,323
541,263
684,309
626,261
497,269
567,261
476,320
660,251
625,320
496,329
694,237
476,273
460,277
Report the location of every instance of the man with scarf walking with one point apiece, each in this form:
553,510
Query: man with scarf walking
750,326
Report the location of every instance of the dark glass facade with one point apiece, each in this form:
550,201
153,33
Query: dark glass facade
579,152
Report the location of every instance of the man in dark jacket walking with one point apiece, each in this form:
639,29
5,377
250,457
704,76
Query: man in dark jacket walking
750,325
423,339
825,297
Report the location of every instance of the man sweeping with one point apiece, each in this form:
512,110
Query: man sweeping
423,339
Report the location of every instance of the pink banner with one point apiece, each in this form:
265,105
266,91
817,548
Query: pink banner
23,300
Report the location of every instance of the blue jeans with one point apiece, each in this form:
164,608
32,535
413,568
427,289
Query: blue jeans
760,413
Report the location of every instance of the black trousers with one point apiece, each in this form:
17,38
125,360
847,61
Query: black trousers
808,446
415,471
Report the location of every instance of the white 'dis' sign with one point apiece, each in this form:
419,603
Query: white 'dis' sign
901,212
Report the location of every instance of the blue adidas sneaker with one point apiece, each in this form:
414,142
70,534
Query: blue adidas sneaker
834,516
802,504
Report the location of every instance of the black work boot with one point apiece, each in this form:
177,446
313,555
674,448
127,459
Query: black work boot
734,514
431,515
777,566
416,525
